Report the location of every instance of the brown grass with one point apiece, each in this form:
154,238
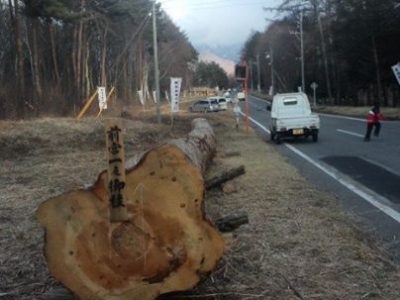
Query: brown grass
299,244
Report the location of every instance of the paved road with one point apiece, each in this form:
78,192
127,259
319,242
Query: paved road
364,176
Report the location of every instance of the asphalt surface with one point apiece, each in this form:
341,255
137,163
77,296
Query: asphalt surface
363,176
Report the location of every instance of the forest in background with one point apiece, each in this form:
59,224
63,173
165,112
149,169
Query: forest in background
349,48
54,53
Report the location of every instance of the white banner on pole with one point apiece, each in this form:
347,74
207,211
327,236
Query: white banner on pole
102,97
141,96
154,97
396,71
175,93
167,96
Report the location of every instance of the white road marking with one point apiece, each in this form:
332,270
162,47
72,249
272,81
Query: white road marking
364,193
353,118
342,117
349,132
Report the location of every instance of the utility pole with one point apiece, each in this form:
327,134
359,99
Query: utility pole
272,71
251,75
156,69
270,56
303,84
258,74
323,46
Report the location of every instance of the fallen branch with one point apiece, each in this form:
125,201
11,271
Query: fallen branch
232,153
290,285
231,222
224,176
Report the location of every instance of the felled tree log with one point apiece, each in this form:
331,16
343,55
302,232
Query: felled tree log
166,245
224,177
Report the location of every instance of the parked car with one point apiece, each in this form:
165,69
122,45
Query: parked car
222,103
292,117
241,96
204,106
228,96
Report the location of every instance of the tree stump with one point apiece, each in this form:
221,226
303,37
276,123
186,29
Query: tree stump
166,245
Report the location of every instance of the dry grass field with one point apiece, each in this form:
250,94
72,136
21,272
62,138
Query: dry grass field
298,244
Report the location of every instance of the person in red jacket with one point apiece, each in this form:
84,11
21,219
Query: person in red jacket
373,120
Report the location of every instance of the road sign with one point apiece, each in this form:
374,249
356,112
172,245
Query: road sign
396,71
314,85
241,72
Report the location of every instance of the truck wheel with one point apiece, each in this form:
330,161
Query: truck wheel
315,137
272,136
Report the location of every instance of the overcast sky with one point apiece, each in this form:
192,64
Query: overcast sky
218,22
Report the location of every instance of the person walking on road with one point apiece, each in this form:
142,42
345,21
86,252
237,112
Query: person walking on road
373,120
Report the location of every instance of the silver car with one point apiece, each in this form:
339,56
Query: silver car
207,105
221,101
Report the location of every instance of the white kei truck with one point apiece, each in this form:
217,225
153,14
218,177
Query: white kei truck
291,116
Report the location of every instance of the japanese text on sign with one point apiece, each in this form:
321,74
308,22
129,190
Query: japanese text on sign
175,93
101,92
116,173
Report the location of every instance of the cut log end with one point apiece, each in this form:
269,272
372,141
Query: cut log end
165,246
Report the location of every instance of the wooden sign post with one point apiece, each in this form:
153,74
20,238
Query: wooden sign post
87,106
116,171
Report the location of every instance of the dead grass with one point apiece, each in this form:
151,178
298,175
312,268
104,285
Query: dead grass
298,245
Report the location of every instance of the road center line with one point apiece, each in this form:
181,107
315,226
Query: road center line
342,117
349,133
352,187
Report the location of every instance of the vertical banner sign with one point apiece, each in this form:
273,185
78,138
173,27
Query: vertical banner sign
154,97
116,171
175,93
101,94
396,71
167,96
141,96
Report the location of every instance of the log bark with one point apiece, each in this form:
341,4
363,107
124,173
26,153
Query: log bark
224,177
166,245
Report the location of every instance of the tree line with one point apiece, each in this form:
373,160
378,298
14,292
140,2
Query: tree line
54,53
349,47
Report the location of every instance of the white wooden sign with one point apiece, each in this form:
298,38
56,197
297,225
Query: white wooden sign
102,97
175,93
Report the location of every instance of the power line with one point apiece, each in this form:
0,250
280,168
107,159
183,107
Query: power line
137,32
209,6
